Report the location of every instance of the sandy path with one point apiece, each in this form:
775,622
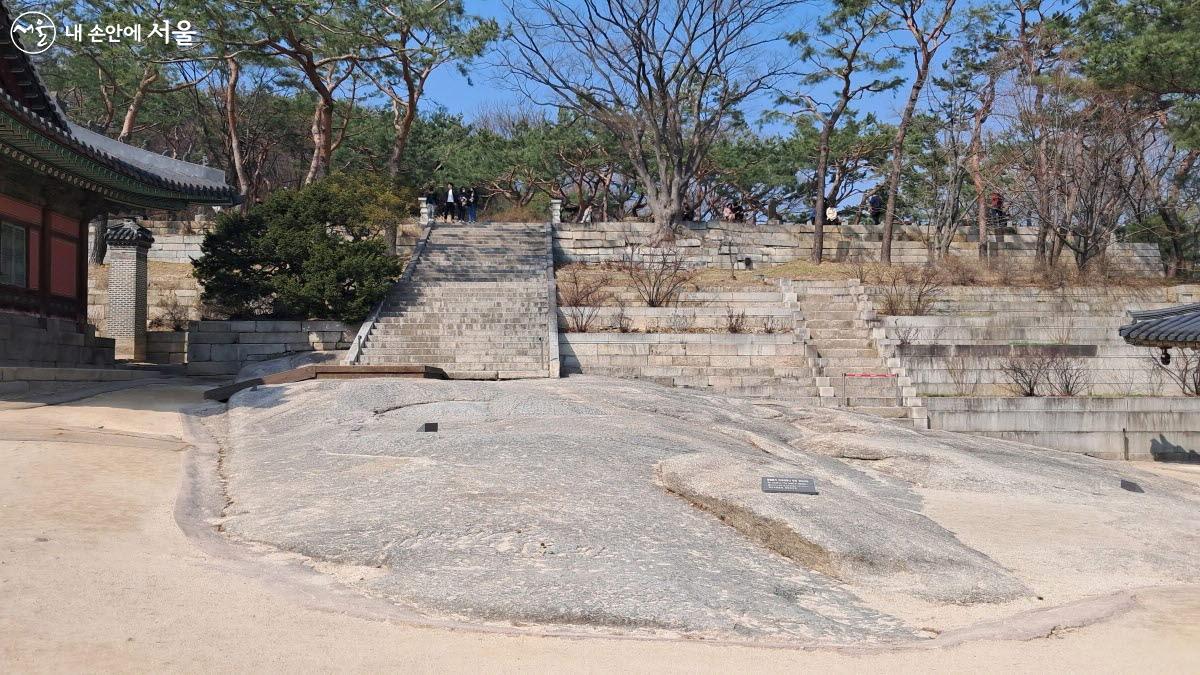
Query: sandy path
96,575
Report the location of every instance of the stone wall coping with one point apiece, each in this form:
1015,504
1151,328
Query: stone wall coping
1063,404
713,338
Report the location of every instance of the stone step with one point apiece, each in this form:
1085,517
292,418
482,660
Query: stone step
480,339
847,352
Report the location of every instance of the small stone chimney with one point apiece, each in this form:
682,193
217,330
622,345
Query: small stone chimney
128,244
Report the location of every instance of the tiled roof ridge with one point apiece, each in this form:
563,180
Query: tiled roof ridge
63,137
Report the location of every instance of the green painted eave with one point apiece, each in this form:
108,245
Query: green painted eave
59,160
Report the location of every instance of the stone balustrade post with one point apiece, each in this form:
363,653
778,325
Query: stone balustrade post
555,211
128,244
423,209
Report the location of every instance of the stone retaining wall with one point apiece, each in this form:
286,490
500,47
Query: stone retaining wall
168,304
720,244
224,347
26,340
176,241
167,347
736,363
962,347
753,319
1110,428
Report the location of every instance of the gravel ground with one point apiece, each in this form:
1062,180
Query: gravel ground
620,505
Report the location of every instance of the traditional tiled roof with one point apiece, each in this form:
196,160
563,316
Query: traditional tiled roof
1171,327
34,132
129,232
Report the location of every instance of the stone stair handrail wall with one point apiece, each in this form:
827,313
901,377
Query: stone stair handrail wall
352,356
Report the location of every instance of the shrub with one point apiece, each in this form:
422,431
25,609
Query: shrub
1184,370
316,252
580,296
659,276
735,322
1068,377
909,291
1026,375
960,272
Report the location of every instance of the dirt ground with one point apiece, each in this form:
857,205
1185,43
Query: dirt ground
96,575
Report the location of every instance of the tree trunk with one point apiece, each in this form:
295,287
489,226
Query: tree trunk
235,141
818,250
402,121
976,164
322,135
893,184
99,243
149,75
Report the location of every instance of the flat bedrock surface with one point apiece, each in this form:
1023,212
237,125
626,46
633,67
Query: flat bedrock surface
597,502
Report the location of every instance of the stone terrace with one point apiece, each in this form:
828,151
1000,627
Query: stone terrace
960,348
717,244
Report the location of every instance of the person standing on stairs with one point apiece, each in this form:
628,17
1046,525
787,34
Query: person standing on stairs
450,203
471,197
433,201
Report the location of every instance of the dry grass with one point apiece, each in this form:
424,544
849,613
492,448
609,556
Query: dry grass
952,272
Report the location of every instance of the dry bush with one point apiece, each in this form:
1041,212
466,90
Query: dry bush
964,373
1026,375
771,326
1052,277
911,291
658,276
1068,377
581,295
735,322
174,316
1063,334
960,271
906,334
1124,382
1184,370
1003,272
681,322
863,268
621,321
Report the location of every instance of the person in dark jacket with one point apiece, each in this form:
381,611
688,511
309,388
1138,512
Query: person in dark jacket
432,202
450,203
470,201
875,208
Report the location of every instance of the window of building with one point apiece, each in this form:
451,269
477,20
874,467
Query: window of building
13,254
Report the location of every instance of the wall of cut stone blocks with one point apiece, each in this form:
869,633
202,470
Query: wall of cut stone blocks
1136,428
755,318
961,348
167,347
721,244
224,347
26,340
681,359
167,304
175,241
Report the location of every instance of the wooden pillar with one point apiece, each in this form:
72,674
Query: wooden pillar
44,264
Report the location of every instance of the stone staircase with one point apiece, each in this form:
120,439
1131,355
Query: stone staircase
475,303
850,370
